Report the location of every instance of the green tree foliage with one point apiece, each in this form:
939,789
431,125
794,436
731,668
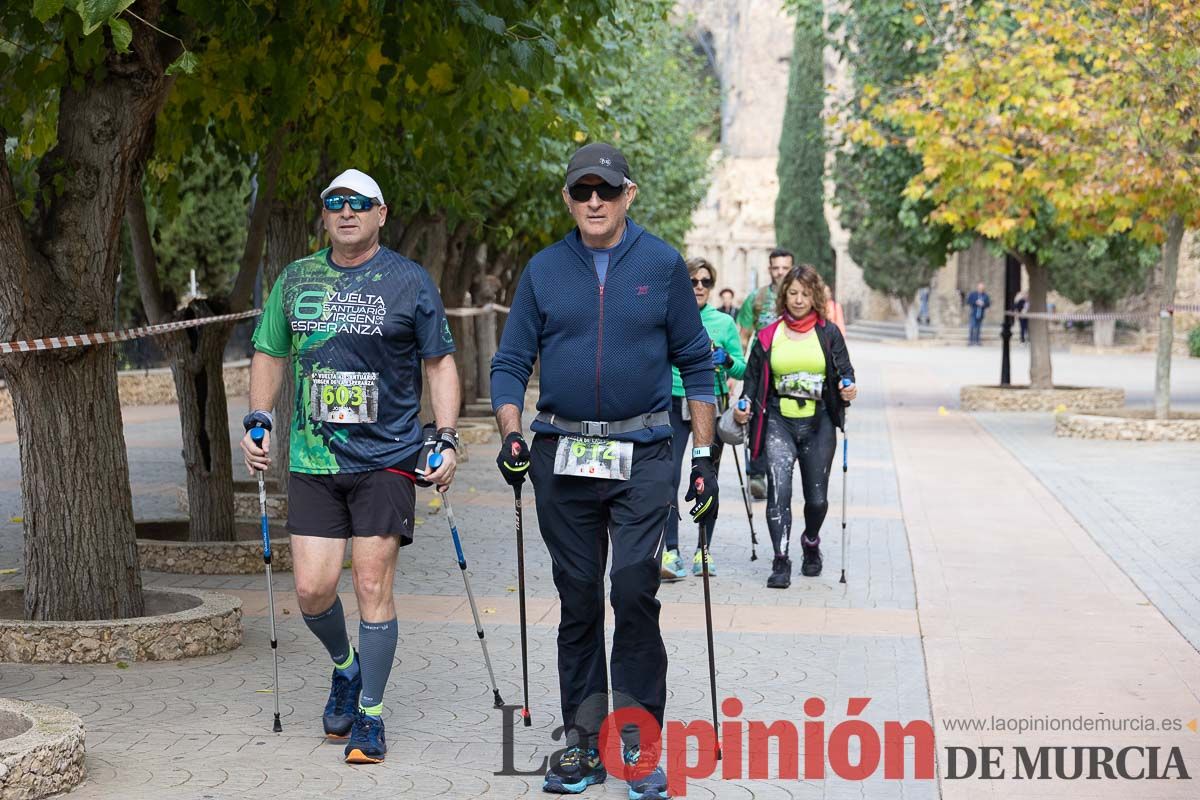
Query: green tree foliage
800,224
663,111
1102,270
203,226
891,238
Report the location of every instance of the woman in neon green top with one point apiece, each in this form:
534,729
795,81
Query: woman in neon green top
728,362
794,385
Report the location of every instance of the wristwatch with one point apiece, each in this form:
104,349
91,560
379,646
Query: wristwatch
447,437
702,452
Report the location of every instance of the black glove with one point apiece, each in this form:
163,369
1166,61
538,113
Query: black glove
513,460
702,487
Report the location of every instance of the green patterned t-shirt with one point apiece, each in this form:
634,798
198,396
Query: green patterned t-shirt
356,337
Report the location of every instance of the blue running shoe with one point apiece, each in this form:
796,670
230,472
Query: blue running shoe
342,704
366,745
576,770
651,787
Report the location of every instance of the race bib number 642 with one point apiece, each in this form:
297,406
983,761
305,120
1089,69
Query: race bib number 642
588,457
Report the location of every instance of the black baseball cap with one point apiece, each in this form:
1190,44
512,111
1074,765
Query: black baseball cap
599,159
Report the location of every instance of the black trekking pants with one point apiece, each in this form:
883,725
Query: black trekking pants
578,517
811,441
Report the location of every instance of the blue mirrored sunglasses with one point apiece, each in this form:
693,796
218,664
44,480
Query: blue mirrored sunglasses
358,202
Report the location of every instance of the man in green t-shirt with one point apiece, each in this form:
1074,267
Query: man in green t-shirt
356,322
758,311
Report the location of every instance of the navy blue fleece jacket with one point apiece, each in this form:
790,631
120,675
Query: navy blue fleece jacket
606,350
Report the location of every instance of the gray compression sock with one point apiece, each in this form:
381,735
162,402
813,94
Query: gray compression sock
376,650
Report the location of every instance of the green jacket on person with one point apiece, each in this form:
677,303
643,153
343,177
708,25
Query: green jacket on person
723,332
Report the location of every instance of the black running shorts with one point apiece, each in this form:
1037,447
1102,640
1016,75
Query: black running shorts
376,503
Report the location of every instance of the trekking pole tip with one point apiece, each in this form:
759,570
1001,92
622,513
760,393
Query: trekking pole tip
843,578
499,703
525,716
277,727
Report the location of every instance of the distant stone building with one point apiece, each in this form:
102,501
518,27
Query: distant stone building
750,45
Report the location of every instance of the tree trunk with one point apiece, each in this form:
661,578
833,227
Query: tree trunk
58,272
1104,331
197,365
1166,322
287,241
80,553
1040,373
912,329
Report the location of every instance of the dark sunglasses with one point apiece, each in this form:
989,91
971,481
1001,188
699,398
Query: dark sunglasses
582,192
357,202
707,283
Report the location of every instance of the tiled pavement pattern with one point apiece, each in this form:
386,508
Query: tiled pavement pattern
200,729
1140,504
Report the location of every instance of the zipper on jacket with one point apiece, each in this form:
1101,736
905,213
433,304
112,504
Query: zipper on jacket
599,345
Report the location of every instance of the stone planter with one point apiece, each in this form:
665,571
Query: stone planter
180,623
245,500
163,546
1129,425
1022,398
41,750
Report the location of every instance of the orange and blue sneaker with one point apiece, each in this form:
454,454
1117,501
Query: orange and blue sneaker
367,744
342,704
576,770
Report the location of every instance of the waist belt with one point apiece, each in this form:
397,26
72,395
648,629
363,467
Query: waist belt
590,428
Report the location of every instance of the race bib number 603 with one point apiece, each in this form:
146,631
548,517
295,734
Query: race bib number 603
348,397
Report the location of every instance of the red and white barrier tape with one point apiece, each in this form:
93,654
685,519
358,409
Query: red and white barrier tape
88,339
1105,315
475,312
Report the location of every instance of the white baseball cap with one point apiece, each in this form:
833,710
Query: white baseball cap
358,181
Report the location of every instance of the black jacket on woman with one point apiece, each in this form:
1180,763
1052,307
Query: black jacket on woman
759,389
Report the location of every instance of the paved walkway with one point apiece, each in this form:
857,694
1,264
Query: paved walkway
1016,609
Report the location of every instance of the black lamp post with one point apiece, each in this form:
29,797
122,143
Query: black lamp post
1012,285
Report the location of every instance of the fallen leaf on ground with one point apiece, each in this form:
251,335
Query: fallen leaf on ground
10,571
16,519
489,611
510,588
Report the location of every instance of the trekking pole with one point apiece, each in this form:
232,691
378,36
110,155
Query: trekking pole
256,436
712,661
742,404
435,461
521,586
845,470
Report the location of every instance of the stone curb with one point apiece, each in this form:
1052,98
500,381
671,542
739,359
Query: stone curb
245,506
1139,426
47,758
214,625
213,558
1022,398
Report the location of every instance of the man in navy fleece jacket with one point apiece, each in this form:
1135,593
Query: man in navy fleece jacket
608,310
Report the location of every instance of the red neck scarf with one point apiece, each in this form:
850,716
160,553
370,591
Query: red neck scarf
802,325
